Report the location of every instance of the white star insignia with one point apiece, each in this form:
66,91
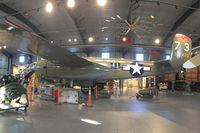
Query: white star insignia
136,68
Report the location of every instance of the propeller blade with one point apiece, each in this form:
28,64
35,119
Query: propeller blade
138,36
136,21
127,31
127,22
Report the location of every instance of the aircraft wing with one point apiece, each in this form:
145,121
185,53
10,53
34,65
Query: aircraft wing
31,43
193,62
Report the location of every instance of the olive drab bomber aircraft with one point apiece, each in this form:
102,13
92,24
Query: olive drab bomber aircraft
59,63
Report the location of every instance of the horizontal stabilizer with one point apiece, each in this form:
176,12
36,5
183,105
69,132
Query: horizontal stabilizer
193,62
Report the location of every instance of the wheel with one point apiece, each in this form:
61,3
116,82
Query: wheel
84,90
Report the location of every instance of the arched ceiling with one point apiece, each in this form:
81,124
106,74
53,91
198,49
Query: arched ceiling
88,19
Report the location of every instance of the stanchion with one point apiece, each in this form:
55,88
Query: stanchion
52,92
96,93
58,96
30,90
89,98
33,84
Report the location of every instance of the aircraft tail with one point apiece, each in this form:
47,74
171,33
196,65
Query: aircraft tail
181,50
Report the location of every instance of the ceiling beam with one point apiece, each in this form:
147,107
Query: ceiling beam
117,45
81,33
20,17
178,23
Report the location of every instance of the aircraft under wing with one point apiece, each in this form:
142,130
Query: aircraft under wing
193,62
33,44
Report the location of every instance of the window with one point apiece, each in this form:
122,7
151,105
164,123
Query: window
167,57
22,59
139,57
105,55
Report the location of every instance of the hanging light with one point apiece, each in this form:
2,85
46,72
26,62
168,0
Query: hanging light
70,3
101,2
90,39
157,41
49,7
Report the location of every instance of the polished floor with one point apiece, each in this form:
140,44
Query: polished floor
170,113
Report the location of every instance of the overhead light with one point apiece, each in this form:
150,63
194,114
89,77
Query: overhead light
4,47
118,17
152,17
10,28
70,3
124,39
90,39
101,2
51,42
106,39
112,18
69,40
75,40
107,20
49,7
157,41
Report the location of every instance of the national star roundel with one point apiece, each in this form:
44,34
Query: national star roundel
136,69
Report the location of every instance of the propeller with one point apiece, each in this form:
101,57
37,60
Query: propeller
131,26
146,26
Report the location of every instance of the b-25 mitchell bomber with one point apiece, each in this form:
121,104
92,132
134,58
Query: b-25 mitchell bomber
59,63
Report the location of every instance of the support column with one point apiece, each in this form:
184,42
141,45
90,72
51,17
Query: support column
71,83
187,88
120,87
173,85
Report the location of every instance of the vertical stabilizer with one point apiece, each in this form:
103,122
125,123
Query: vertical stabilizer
181,50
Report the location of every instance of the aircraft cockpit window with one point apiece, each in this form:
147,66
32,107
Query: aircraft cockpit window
114,65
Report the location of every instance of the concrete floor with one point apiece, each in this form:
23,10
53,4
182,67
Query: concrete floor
173,113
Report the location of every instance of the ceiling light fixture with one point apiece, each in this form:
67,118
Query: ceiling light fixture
49,7
124,39
69,40
75,40
157,41
4,47
70,3
90,39
102,2
107,20
51,42
152,17
106,39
